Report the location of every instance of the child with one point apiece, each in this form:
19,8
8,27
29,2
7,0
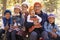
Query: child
32,15
18,14
51,27
6,23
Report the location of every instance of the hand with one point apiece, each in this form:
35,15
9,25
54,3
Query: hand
6,28
54,30
54,35
14,27
23,28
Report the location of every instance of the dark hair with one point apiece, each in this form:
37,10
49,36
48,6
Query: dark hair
7,11
53,24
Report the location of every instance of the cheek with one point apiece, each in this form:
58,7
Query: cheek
24,8
17,10
37,10
51,20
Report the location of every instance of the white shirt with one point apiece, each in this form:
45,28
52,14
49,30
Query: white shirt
2,26
28,18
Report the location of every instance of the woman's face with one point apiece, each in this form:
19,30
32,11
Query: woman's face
32,13
7,15
51,19
24,8
16,10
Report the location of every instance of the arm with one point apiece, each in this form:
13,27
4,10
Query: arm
2,27
39,18
28,19
31,29
46,27
57,30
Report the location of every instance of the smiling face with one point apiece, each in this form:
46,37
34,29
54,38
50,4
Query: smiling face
16,10
32,13
51,20
7,15
24,8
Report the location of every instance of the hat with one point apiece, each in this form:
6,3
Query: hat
51,15
24,3
17,6
7,11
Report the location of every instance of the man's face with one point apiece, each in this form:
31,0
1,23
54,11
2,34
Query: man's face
7,15
16,10
37,8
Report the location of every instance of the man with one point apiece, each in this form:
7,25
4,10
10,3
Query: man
38,11
35,34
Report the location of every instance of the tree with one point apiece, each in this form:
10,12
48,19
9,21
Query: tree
51,5
4,6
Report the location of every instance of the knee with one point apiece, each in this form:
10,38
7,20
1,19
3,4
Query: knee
13,32
33,34
44,33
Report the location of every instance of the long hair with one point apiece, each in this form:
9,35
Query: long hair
53,24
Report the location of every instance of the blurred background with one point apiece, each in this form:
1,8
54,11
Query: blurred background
49,6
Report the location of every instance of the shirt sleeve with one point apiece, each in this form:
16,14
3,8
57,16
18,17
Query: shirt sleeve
46,27
28,19
40,19
2,26
58,31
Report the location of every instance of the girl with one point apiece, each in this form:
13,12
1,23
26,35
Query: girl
32,15
51,27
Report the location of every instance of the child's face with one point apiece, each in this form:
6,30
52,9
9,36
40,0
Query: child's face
51,20
16,10
32,13
7,15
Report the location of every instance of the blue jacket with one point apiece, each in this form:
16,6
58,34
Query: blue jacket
19,19
48,27
44,17
5,21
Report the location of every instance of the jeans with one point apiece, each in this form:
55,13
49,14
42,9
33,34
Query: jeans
34,35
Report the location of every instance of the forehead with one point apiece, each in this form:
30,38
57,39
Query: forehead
32,10
7,13
37,5
51,18
16,9
24,5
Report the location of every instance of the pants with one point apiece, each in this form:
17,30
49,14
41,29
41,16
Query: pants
1,32
11,35
34,35
50,37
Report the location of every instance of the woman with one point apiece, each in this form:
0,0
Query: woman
52,28
17,22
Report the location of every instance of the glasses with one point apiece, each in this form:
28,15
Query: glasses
36,6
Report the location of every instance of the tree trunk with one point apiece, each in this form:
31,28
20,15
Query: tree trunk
22,1
4,6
